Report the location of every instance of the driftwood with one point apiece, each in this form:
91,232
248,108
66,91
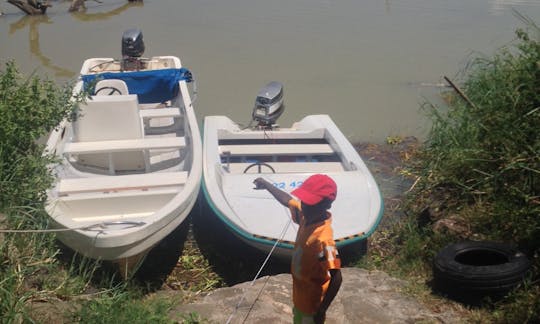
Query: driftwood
31,7
38,7
460,92
76,5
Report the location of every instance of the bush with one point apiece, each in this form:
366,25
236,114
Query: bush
29,109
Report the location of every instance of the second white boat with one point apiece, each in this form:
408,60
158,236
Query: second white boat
234,156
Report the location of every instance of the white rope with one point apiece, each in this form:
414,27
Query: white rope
257,275
94,227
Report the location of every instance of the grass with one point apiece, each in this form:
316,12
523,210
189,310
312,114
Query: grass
123,305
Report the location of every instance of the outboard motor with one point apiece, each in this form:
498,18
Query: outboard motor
132,49
269,105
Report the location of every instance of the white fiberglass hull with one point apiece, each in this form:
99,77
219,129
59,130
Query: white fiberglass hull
312,145
114,209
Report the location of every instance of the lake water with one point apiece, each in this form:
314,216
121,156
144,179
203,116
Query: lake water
369,64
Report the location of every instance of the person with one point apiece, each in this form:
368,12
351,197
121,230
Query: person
315,265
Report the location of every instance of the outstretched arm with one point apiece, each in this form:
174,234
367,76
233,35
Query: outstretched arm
281,196
333,288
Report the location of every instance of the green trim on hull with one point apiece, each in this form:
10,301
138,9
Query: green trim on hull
245,235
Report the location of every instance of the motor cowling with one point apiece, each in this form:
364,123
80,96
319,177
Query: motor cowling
269,104
132,43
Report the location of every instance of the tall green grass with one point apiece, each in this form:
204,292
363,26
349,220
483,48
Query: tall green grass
489,152
480,168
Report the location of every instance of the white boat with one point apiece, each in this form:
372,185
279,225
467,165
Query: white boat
233,156
131,162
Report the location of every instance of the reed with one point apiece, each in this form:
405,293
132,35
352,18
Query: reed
480,167
489,153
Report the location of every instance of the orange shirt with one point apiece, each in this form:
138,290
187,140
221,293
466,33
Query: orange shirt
314,254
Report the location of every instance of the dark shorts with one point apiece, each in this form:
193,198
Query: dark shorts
301,318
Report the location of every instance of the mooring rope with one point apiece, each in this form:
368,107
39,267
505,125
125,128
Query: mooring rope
282,235
94,227
257,276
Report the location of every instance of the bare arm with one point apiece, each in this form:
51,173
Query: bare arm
281,196
333,288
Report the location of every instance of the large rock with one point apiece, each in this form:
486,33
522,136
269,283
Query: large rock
364,297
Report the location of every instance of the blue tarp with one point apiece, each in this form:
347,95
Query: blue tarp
149,86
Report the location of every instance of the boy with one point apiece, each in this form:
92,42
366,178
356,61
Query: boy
315,265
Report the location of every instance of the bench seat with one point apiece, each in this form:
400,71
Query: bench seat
124,145
159,113
289,167
121,182
276,149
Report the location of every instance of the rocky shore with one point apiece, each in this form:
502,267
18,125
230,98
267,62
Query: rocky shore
365,297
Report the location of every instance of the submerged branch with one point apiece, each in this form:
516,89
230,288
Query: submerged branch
31,7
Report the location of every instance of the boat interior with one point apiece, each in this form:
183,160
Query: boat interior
114,134
120,149
310,153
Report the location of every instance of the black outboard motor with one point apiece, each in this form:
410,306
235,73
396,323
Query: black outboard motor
132,49
269,105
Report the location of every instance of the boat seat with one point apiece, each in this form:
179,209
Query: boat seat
100,119
124,145
276,149
111,87
160,113
288,167
143,181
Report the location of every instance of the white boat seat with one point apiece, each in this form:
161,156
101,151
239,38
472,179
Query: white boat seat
111,87
288,167
124,145
107,118
276,149
101,116
143,181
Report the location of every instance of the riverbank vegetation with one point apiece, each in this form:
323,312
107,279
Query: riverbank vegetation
477,176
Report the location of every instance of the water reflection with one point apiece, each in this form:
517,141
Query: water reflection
33,23
83,16
369,64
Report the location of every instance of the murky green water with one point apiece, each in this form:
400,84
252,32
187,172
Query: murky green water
366,63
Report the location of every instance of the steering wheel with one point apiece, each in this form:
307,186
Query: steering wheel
113,91
259,164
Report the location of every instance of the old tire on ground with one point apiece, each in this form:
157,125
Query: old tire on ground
472,270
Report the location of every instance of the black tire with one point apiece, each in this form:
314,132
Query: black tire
470,271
